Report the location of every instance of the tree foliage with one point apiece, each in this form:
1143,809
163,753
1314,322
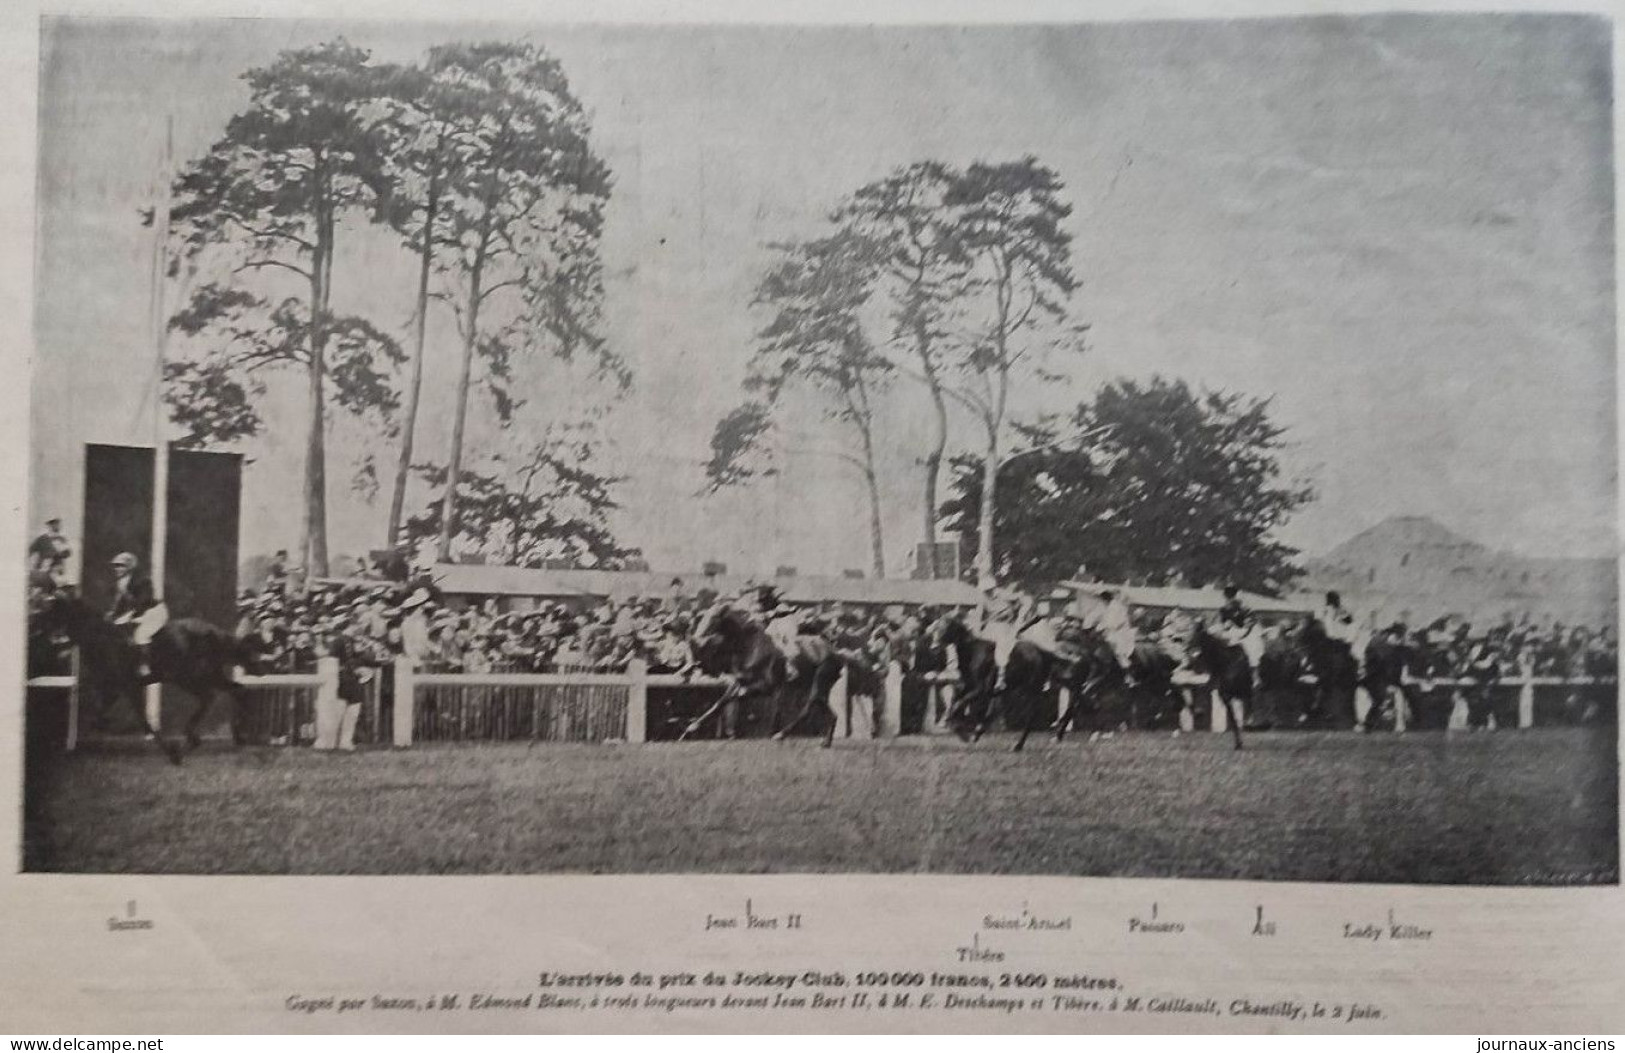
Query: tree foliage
547,506
524,212
1010,221
922,269
478,158
1180,487
265,204
814,294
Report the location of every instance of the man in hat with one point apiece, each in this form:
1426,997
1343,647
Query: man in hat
415,643
132,591
1114,620
1007,614
1235,617
1336,620
50,551
276,575
134,605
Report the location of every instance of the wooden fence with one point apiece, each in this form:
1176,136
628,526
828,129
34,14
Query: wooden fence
940,689
283,709
416,706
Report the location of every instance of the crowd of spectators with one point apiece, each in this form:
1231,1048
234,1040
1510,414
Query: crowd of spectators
1453,648
287,625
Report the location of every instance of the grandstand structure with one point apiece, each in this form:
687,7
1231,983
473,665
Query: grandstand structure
524,588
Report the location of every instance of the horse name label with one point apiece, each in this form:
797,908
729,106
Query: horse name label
1027,921
1138,925
753,921
124,924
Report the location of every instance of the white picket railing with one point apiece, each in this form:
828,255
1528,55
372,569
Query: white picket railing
335,727
884,719
335,722
946,683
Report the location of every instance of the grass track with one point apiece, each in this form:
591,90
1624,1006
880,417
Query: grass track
1531,807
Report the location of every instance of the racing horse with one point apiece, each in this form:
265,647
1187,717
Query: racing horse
1148,672
1388,657
729,643
1029,671
1335,671
1228,670
188,653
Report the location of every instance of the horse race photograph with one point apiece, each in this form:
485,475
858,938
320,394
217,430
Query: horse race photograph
1141,449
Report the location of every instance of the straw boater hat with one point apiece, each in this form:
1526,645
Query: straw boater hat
418,598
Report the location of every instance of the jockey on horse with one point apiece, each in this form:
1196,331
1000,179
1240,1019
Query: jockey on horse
136,611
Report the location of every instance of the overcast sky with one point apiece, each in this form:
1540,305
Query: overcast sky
1399,228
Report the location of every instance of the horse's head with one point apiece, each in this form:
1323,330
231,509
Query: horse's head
721,621
947,631
60,612
714,641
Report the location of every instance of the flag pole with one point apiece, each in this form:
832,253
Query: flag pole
160,444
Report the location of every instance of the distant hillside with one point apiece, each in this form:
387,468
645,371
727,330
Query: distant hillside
1415,568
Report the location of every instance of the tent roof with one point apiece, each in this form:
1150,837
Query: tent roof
1169,598
467,579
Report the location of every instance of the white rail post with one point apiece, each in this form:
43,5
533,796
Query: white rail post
73,702
840,700
153,705
1526,695
892,719
406,687
1458,711
329,710
637,701
939,699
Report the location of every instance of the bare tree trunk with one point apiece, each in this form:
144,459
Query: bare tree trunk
984,525
313,546
877,544
397,501
933,456
454,466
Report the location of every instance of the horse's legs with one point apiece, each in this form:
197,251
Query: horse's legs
806,710
990,702
237,695
1232,711
1074,700
205,699
1032,702
138,701
823,692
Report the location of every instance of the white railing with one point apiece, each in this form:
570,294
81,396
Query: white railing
944,684
335,722
636,682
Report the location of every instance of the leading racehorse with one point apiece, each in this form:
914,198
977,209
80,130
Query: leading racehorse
1029,671
729,643
1149,671
189,653
1229,672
